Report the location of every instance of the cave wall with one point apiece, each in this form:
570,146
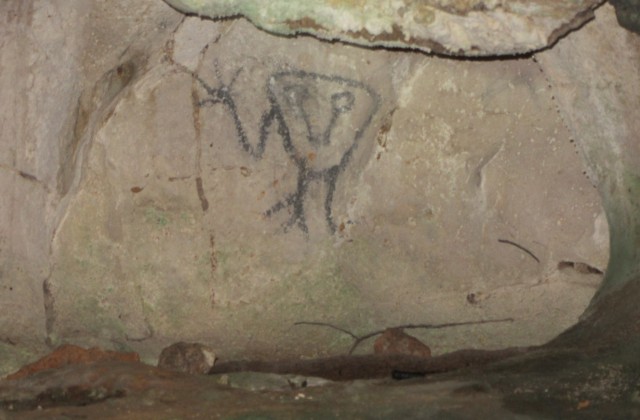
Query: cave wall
176,178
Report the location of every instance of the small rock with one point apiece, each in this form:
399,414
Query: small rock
192,358
396,341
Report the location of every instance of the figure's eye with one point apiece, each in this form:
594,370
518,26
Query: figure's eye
342,102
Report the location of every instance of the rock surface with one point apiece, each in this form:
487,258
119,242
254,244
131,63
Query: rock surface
596,79
229,183
456,27
63,156
59,74
250,184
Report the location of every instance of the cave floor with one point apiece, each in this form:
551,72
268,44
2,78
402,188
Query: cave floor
544,383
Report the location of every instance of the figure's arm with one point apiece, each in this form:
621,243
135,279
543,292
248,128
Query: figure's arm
223,95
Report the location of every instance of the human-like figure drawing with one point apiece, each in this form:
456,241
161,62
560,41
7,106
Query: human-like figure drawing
311,113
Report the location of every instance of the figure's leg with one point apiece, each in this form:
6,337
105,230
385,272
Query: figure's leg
296,202
298,215
330,178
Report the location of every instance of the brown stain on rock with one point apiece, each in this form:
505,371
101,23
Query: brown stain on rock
203,199
69,354
305,23
214,258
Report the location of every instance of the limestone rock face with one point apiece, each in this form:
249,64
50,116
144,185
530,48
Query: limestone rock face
171,179
245,182
205,181
458,27
59,75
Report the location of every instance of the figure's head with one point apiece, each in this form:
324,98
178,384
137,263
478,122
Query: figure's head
325,116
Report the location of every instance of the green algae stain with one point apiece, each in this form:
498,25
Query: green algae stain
315,289
156,217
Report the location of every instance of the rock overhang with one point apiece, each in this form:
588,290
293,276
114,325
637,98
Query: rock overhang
472,28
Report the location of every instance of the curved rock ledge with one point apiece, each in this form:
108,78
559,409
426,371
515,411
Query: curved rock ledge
451,27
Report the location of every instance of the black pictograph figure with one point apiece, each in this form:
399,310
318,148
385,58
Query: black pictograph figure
311,115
